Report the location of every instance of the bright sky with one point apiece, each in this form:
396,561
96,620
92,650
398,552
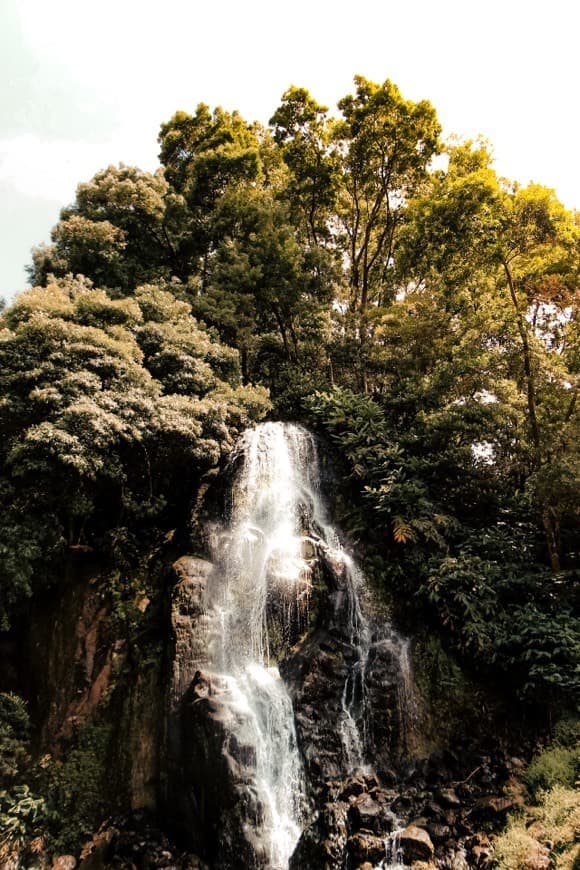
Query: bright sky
86,84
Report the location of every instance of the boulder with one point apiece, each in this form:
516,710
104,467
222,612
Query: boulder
64,862
438,833
416,844
364,847
367,814
323,843
448,797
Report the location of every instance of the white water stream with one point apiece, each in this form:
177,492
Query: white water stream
276,529
262,555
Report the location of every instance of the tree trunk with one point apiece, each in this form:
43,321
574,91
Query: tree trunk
528,368
552,530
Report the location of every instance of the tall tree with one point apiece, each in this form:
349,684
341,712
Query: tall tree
509,256
386,144
303,130
125,227
205,156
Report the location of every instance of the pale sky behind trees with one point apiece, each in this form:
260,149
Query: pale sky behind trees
85,84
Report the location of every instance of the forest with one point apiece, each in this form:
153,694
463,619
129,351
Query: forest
353,272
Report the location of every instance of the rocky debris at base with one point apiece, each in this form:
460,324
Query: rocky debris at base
132,843
447,827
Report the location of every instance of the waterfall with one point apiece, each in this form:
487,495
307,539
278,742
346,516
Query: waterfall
275,531
354,701
263,557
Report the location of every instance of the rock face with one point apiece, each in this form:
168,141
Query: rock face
317,672
209,799
188,655
367,797
71,652
187,616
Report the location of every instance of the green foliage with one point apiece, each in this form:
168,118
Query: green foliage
122,230
556,766
567,731
550,826
103,402
452,702
78,790
22,816
480,579
425,320
14,733
23,812
545,646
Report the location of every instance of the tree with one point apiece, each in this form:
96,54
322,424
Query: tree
386,144
508,256
304,132
205,156
124,228
111,410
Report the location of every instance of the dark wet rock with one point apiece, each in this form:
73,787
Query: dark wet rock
493,807
315,677
133,843
64,862
438,833
218,773
480,850
210,800
416,844
448,797
457,860
187,612
432,810
403,804
353,788
188,656
323,843
364,847
368,814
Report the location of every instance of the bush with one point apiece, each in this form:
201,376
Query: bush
558,766
567,731
77,788
548,836
14,728
22,815
517,850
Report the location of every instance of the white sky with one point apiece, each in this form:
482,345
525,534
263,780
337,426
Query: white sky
86,83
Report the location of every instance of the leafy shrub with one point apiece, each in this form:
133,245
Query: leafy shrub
556,766
23,812
14,728
567,731
549,833
544,646
21,815
77,790
518,850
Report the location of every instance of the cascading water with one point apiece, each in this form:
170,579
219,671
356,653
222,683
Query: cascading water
263,561
276,531
354,701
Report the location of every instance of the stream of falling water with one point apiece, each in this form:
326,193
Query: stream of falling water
276,529
265,585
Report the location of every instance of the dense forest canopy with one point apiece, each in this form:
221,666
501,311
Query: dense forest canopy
422,313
